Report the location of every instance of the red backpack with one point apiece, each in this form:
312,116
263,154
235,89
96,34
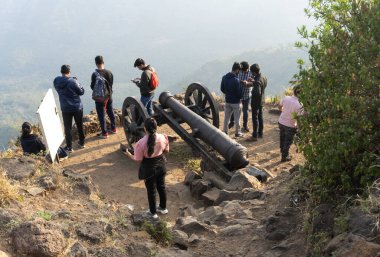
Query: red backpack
154,81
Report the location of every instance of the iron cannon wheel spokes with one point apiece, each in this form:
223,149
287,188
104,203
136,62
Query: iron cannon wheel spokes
133,117
204,104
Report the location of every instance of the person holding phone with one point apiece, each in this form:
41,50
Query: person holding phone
149,152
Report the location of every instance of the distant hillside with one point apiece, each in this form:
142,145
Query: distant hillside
279,65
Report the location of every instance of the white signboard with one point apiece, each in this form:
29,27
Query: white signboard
50,123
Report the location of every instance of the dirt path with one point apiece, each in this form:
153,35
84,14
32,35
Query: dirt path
116,175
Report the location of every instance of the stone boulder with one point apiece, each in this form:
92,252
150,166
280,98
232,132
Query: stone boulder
190,177
180,239
139,249
38,238
47,182
108,252
173,252
19,168
362,224
240,180
94,231
280,225
198,187
213,215
82,183
349,245
191,225
77,250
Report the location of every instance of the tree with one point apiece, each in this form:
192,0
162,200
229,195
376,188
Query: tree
340,131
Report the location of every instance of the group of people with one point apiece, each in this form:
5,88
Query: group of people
244,85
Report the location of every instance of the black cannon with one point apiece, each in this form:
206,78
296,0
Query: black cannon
200,112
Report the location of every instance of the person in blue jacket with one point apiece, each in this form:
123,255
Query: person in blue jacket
232,89
69,91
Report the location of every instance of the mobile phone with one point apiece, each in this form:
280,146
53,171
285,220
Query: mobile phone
131,151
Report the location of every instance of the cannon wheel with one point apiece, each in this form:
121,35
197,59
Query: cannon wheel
133,117
205,104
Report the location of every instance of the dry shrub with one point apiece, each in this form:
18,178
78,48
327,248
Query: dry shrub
8,192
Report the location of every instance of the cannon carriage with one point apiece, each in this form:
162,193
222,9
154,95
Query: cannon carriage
200,112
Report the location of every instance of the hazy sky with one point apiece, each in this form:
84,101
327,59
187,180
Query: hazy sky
167,33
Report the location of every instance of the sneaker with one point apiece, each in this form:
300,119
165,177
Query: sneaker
81,145
239,134
162,211
260,136
68,149
154,216
286,159
252,139
103,135
231,125
245,129
112,131
63,158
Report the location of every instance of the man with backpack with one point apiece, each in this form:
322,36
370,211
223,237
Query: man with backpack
69,91
258,83
101,85
147,83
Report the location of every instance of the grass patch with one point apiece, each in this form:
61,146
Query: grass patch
46,215
8,192
159,232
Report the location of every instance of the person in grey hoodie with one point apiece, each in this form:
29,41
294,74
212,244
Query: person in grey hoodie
69,91
232,89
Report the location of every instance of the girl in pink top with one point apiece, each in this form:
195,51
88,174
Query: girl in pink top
149,152
290,107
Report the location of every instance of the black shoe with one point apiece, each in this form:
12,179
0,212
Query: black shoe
286,159
245,129
260,135
81,145
252,139
68,149
231,125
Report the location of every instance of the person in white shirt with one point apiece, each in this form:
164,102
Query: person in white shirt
290,107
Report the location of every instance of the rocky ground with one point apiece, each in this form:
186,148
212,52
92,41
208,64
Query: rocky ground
93,205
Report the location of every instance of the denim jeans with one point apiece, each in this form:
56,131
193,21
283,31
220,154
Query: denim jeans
68,123
245,103
257,121
147,102
156,182
286,139
100,110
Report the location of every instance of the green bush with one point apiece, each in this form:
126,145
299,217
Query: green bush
159,232
340,130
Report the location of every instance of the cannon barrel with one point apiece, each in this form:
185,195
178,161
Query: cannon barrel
233,152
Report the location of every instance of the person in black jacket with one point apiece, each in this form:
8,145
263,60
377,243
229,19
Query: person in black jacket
31,143
100,106
258,83
147,93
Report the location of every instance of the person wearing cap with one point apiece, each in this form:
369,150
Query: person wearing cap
232,90
258,84
147,93
107,106
290,107
69,91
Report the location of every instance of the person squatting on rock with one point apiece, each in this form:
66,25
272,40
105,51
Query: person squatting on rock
104,106
290,107
32,143
149,152
232,90
147,93
258,83
69,91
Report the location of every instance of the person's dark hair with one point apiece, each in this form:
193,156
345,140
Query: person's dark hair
236,66
139,62
244,65
150,125
255,68
99,60
296,90
26,129
65,69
